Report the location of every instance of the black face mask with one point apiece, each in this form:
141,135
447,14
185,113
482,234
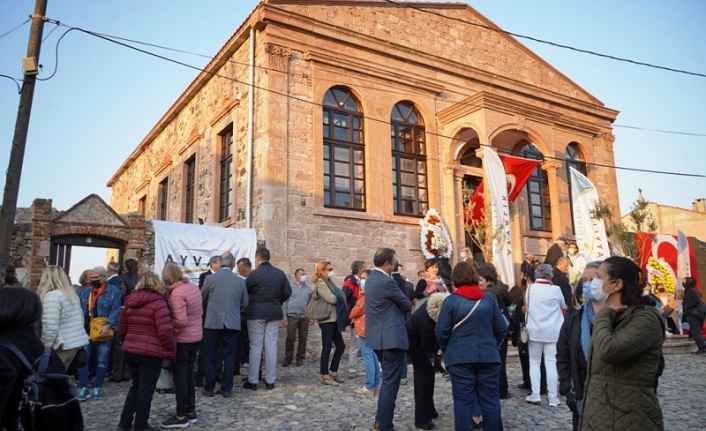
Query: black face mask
96,283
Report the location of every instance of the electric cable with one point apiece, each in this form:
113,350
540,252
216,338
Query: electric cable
14,28
289,97
56,54
19,90
362,86
546,42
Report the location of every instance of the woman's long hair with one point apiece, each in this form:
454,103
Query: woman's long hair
319,272
622,268
172,274
150,280
131,266
54,278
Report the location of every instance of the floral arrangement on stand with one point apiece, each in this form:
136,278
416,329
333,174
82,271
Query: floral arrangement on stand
660,273
434,234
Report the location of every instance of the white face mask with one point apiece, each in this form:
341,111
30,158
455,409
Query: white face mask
362,284
597,291
303,278
463,255
331,274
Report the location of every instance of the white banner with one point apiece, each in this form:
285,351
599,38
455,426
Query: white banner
590,233
499,215
683,263
191,245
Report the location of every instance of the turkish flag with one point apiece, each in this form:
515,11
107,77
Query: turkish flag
517,172
665,246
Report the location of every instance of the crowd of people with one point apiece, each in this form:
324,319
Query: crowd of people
590,331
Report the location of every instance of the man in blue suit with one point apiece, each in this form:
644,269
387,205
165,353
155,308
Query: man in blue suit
385,332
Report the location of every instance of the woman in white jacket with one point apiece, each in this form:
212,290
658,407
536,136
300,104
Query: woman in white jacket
62,319
544,303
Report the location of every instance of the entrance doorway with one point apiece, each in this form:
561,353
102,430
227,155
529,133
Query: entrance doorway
78,253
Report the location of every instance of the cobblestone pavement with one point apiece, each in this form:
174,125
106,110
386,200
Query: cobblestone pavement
300,402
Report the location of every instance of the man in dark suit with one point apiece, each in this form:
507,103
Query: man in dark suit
560,279
525,267
227,296
442,261
385,332
213,266
556,251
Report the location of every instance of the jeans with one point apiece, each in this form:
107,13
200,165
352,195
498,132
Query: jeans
372,365
184,377
476,384
102,359
296,326
536,348
353,350
330,336
696,331
267,332
392,361
228,338
144,371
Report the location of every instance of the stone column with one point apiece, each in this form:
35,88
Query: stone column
551,166
41,240
450,204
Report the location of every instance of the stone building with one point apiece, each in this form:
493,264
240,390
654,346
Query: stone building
332,126
670,220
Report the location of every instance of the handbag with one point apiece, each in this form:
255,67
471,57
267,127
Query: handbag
316,307
524,332
80,360
699,311
97,323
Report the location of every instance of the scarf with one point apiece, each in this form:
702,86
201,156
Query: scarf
341,310
473,292
587,318
95,294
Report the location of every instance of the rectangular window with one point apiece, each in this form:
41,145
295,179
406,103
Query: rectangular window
163,198
190,168
226,177
142,205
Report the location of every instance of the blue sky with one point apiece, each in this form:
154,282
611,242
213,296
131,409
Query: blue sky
104,98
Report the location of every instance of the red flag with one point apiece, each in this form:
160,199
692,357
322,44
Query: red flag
517,172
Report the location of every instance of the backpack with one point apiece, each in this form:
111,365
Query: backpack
48,400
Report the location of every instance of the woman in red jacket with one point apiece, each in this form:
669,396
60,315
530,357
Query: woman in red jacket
148,337
187,309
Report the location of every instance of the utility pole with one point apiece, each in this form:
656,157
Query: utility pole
19,140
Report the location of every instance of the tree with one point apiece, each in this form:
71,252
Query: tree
481,230
629,238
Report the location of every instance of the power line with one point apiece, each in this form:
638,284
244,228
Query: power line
19,89
289,97
546,42
13,29
360,86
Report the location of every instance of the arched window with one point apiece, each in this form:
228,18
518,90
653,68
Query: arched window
409,161
574,159
537,191
344,158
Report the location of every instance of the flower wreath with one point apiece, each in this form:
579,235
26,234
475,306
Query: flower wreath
659,272
434,234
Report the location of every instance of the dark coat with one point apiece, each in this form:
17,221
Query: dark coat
268,288
624,355
570,360
13,372
202,277
560,279
351,288
420,330
146,325
385,307
553,254
691,301
444,270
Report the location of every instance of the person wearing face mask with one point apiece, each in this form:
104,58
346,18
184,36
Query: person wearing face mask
332,327
577,263
295,320
100,300
572,347
466,256
351,288
623,353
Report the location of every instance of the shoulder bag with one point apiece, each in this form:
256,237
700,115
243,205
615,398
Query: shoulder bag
316,307
467,315
96,324
524,332
699,311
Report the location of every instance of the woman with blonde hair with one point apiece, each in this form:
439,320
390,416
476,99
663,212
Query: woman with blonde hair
332,327
62,319
148,337
187,309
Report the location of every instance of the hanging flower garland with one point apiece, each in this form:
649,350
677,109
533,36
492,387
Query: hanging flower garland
660,273
434,234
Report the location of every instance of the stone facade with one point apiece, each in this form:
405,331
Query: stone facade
670,219
471,84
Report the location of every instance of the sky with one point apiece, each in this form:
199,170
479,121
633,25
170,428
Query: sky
104,98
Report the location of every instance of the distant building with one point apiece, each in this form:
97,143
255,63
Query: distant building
365,114
672,219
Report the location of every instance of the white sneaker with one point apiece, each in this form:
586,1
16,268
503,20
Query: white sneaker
534,399
554,402
364,391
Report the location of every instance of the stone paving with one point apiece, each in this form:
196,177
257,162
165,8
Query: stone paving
300,402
